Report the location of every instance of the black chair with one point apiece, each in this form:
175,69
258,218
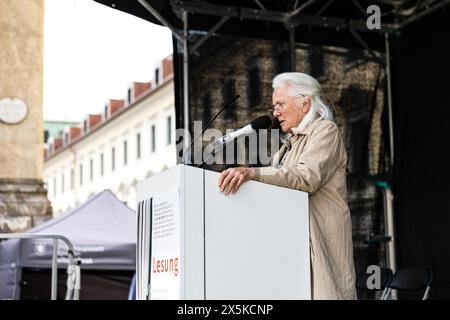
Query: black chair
411,279
385,278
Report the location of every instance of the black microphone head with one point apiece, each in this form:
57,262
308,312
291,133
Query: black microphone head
263,122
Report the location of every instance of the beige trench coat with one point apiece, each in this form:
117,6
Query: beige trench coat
317,164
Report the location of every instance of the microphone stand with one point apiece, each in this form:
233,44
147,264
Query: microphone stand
229,104
213,154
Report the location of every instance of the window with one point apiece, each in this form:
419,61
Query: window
102,168
66,138
169,129
91,169
85,126
129,96
46,135
106,112
72,179
113,159
62,183
138,146
81,174
156,76
153,137
125,151
54,186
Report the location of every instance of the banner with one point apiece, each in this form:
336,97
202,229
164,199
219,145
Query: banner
165,262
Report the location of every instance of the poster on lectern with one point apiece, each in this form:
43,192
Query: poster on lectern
165,283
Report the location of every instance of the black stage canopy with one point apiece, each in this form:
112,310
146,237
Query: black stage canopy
343,20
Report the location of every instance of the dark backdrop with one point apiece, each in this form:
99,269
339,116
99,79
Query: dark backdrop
422,175
353,84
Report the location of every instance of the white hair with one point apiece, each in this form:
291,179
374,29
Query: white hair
300,83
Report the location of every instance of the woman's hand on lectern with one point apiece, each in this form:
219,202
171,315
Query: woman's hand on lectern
233,178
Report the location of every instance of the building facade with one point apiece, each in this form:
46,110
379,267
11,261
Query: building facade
132,139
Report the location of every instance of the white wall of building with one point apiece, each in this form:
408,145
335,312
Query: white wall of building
64,170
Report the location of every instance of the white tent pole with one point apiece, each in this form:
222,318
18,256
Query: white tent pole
54,268
186,76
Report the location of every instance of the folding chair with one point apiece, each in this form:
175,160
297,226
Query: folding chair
411,279
385,275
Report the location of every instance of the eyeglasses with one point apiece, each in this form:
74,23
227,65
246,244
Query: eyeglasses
279,105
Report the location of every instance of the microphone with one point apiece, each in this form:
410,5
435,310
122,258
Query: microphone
263,122
227,105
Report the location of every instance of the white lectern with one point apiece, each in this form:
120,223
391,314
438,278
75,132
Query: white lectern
194,242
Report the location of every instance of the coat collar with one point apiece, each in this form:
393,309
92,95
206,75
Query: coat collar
296,132
306,130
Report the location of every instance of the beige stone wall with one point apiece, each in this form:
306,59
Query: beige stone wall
21,76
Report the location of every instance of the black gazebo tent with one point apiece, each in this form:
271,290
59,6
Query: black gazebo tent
103,233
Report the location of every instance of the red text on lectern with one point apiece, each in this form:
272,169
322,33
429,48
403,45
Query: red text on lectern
165,265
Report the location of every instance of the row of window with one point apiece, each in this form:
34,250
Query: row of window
113,158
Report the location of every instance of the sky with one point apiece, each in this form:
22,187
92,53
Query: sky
91,54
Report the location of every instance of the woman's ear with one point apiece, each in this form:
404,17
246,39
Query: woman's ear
306,105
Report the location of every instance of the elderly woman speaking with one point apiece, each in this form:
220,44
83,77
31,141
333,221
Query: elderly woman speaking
313,160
